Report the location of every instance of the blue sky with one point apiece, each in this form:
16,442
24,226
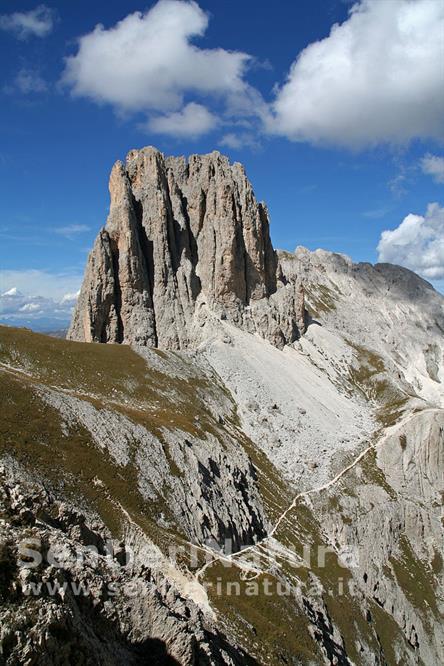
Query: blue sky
340,128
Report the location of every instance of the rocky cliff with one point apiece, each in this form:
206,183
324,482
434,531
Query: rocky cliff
184,241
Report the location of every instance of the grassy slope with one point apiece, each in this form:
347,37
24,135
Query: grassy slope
116,377
270,627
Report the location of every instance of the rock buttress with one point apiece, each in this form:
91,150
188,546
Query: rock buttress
184,240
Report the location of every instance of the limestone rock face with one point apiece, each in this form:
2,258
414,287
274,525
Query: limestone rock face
156,626
184,241
385,308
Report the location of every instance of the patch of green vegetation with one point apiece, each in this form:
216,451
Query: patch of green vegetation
321,299
266,622
389,636
415,579
34,433
392,411
349,617
275,492
303,529
373,474
370,379
370,364
114,374
335,503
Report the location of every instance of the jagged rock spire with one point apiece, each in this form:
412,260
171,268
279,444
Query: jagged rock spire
183,240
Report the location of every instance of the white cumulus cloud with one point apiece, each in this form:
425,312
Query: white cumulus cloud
31,307
192,121
37,312
39,283
433,165
29,81
70,299
38,22
417,243
377,78
148,62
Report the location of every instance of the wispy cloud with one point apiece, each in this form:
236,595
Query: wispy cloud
70,231
239,140
308,189
26,82
404,177
377,213
433,165
38,22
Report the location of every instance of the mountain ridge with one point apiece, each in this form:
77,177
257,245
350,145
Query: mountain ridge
278,428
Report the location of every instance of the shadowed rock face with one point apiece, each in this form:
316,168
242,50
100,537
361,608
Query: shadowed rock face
184,241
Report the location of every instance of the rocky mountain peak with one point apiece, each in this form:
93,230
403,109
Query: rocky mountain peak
185,241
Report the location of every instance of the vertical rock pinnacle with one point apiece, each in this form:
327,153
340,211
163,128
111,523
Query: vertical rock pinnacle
183,239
